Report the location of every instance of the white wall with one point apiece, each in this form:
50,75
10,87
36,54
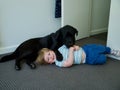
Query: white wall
78,14
100,16
113,40
24,19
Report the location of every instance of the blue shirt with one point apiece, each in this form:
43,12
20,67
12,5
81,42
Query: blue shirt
64,51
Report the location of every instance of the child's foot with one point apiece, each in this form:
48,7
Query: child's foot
115,52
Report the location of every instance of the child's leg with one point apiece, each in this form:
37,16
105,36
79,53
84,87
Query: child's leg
98,48
95,53
107,50
101,49
98,59
101,59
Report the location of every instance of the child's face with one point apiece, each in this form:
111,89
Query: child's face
49,57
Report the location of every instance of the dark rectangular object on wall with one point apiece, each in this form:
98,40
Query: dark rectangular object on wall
58,9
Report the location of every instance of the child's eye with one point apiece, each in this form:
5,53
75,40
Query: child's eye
48,60
49,53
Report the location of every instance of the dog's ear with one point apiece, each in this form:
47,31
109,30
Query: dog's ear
75,31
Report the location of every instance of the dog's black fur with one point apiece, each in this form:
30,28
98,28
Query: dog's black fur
28,50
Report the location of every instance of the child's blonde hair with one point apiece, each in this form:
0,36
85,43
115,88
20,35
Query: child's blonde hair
40,59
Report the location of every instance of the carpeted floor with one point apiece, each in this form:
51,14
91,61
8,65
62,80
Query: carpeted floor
50,77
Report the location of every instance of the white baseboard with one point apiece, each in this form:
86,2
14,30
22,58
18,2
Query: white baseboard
98,31
9,49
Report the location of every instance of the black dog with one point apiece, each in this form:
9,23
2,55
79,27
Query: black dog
28,50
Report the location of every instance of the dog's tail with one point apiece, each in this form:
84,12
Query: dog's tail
8,57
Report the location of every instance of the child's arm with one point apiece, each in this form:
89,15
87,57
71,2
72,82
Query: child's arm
70,59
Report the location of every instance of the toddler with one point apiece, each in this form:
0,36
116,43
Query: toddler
90,54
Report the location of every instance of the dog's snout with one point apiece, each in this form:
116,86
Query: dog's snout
69,44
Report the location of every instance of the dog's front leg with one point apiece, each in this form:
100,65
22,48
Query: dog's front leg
58,55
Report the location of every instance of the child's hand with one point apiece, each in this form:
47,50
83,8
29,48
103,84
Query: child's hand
72,48
76,47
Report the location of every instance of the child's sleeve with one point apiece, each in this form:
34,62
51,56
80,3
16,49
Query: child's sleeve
59,63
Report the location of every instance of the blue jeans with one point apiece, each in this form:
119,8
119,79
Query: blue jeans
95,53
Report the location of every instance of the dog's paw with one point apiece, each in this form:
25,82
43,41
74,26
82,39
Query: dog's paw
17,67
32,66
60,57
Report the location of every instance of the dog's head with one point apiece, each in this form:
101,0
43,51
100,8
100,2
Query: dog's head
67,35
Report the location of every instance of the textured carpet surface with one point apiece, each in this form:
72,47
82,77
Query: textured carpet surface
50,77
